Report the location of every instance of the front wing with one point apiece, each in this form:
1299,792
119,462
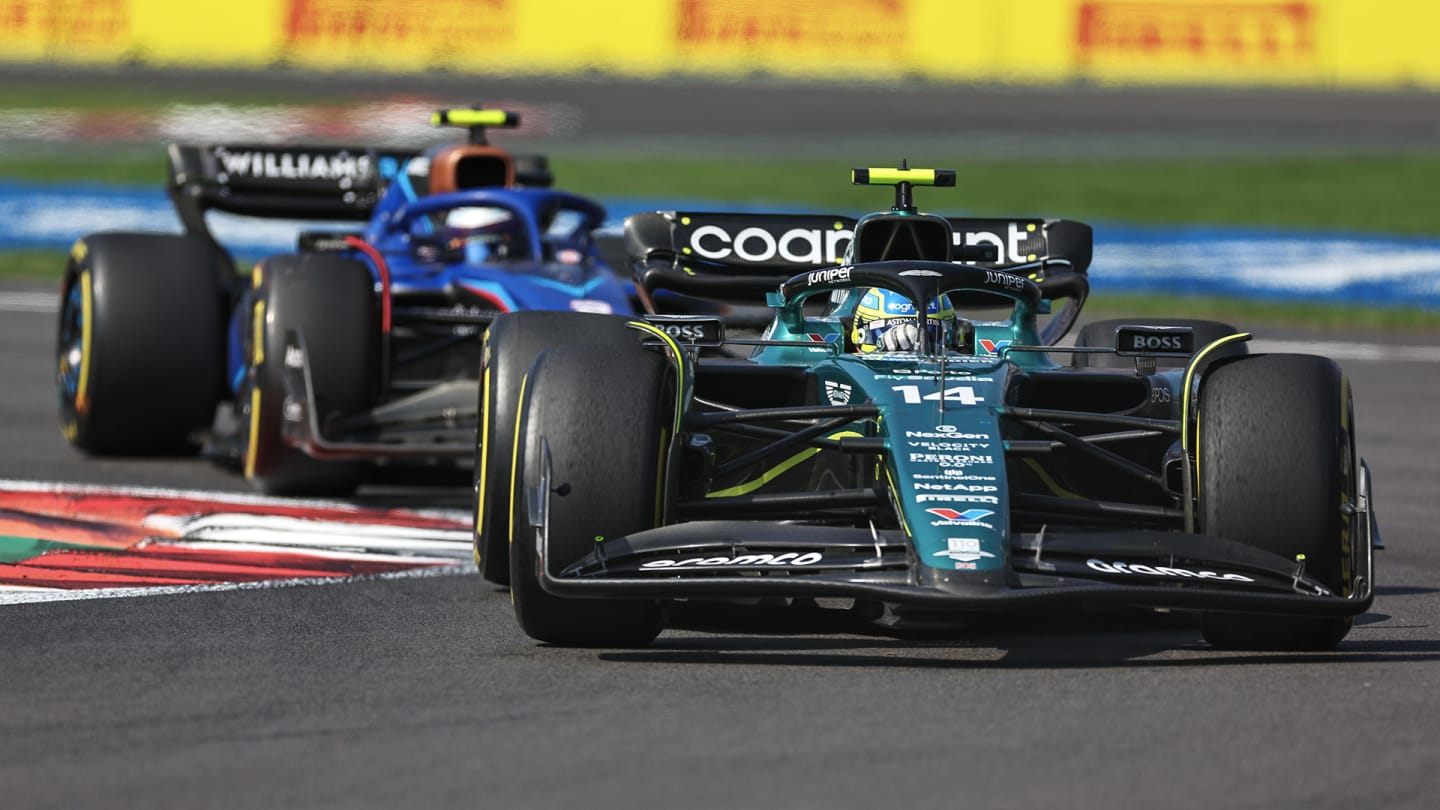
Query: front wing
722,559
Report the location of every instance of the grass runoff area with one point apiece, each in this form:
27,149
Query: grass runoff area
1366,193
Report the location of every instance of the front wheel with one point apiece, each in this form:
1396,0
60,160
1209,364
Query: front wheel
607,417
1277,470
511,344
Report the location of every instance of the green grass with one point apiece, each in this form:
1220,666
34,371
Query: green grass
1392,194
1246,313
125,165
1383,195
32,264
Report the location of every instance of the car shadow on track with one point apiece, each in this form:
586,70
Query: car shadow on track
752,636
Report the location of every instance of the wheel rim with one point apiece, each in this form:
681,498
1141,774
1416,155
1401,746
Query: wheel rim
74,348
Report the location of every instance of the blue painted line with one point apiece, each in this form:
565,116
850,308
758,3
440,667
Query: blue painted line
1260,263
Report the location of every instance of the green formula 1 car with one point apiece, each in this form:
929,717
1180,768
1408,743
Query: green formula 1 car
969,465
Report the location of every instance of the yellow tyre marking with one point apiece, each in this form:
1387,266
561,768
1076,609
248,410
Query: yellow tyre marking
1185,397
87,312
515,453
679,364
254,438
257,357
257,333
484,455
1189,376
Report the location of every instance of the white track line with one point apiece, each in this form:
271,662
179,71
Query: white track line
23,595
1346,350
30,301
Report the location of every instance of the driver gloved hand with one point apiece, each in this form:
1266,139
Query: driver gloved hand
901,338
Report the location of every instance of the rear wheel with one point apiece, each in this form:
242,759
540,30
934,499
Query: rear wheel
141,343
606,416
1102,334
331,302
1277,467
511,344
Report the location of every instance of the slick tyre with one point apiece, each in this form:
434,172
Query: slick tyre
1277,467
606,417
1102,334
141,343
511,344
331,302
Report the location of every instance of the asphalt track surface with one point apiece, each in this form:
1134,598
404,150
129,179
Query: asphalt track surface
423,692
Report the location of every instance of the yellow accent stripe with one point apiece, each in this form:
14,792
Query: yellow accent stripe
87,310
484,455
894,490
1050,483
254,439
774,472
79,250
515,453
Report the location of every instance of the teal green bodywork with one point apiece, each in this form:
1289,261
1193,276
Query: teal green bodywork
939,416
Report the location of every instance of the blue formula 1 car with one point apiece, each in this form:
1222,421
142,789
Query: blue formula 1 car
918,448
361,347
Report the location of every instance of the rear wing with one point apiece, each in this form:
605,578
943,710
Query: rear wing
740,257
734,257
336,183
282,182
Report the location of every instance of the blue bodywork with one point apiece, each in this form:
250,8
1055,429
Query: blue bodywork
496,249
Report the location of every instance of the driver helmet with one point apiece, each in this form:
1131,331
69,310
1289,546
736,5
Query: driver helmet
484,233
885,321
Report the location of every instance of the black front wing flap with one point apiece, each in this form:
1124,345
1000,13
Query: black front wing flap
722,559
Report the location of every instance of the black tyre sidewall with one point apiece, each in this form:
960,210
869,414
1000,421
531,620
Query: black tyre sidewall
331,301
511,345
607,418
157,341
1276,463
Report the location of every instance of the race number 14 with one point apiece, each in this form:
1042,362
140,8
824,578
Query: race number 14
963,394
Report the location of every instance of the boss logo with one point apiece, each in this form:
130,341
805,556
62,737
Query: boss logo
1156,342
693,332
1157,339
